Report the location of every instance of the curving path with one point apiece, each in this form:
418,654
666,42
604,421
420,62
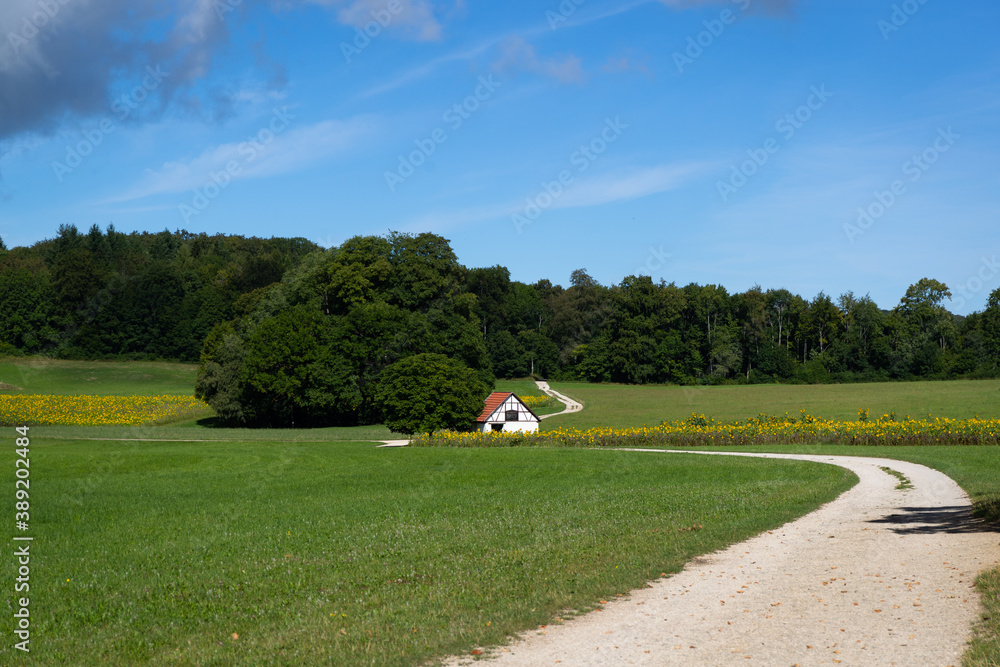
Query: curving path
571,405
878,576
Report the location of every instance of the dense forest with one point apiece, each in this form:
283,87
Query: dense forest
105,295
374,300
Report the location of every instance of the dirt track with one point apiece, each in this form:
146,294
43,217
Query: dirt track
571,405
879,576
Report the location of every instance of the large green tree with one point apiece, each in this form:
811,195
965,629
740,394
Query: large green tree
991,328
293,374
314,347
425,393
925,330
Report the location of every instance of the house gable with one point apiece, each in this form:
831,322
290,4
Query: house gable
502,408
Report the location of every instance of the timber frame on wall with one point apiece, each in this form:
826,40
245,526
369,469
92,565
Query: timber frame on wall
504,411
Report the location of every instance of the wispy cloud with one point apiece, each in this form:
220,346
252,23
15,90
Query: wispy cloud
414,18
582,19
287,152
595,191
642,182
518,55
428,68
622,64
567,68
777,7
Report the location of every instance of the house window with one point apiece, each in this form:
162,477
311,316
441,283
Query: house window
511,416
496,427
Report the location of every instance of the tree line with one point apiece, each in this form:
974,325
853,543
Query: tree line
250,309
109,295
641,331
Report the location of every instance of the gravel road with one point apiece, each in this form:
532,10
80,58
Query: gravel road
571,405
879,576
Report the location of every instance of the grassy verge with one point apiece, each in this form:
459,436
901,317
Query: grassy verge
621,406
985,648
308,553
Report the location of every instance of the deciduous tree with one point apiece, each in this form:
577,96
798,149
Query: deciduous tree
425,393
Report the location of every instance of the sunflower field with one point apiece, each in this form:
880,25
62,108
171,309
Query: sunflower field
49,410
536,401
698,430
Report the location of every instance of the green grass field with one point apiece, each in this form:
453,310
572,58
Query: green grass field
192,431
620,406
313,548
342,553
40,375
519,387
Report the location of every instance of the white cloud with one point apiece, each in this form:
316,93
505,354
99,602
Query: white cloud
415,18
769,6
634,184
426,69
596,191
518,55
288,151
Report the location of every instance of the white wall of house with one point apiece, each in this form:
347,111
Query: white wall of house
526,427
509,417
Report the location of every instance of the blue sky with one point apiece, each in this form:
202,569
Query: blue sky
833,146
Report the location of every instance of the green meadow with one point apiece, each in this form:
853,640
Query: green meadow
40,375
620,406
193,544
342,553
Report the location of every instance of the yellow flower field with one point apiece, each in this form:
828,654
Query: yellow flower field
37,410
699,430
535,401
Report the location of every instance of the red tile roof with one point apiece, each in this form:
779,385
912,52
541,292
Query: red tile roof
493,401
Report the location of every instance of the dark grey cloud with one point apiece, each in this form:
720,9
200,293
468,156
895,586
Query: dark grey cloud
61,59
66,59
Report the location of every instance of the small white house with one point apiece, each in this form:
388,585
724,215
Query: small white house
504,411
